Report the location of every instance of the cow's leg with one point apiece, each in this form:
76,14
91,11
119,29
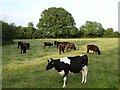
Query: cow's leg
25,50
67,48
71,48
21,50
96,52
59,50
87,50
62,49
84,74
64,81
65,77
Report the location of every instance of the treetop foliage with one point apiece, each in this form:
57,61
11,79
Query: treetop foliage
55,23
92,29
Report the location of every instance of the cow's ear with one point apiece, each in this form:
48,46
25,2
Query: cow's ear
48,61
51,59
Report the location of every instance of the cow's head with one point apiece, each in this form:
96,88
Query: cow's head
99,52
50,64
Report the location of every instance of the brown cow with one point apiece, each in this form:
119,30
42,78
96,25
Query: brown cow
69,45
61,48
93,48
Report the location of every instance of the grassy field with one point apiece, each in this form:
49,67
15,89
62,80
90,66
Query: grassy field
28,70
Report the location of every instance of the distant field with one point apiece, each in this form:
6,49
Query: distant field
28,70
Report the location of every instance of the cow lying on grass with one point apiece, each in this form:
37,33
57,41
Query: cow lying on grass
66,65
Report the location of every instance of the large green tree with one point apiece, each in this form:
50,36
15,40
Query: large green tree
8,32
25,32
30,30
21,32
56,22
92,29
117,34
109,32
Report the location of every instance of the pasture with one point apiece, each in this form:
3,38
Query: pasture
28,70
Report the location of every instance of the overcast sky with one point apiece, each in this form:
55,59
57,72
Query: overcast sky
21,12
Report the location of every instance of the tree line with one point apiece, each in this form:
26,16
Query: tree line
55,23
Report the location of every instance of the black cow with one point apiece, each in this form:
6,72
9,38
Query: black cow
20,43
28,45
70,64
56,43
47,44
23,48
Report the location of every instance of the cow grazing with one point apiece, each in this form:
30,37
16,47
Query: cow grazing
28,45
20,43
93,48
47,44
56,43
66,65
69,45
61,48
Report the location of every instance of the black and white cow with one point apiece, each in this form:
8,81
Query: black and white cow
66,65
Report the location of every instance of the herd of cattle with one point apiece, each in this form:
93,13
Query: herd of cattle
68,45
66,65
23,46
60,45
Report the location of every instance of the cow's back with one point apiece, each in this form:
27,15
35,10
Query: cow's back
76,64
60,65
84,60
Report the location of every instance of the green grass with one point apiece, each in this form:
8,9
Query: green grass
28,70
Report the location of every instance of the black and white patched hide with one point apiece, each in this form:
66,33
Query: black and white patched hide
70,64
